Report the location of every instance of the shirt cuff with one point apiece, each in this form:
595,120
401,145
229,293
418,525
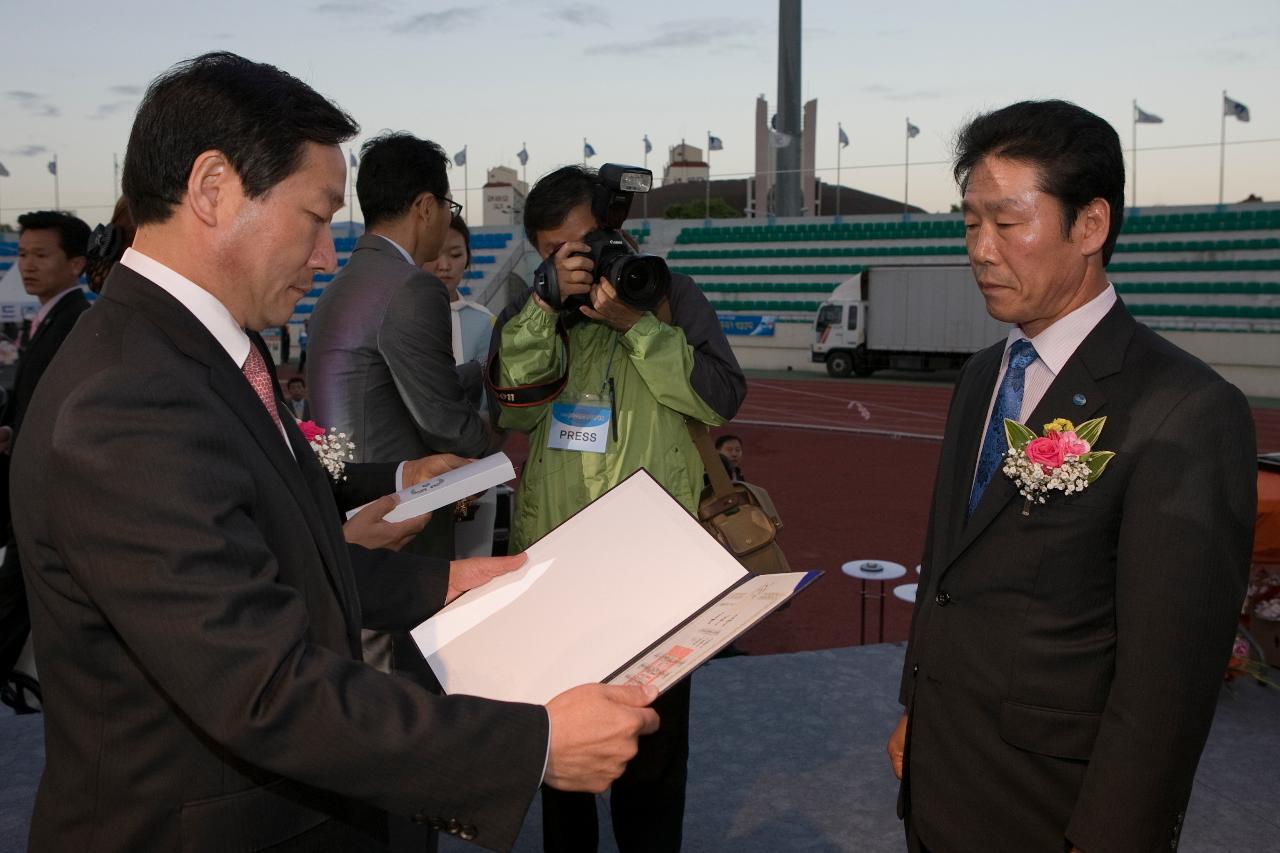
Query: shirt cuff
400,487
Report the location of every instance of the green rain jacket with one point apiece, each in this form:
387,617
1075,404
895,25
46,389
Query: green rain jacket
662,374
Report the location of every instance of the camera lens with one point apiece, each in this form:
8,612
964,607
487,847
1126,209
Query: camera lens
642,280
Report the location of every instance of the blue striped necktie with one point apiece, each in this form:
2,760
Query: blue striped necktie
1008,405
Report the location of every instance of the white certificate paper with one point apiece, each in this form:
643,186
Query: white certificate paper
631,574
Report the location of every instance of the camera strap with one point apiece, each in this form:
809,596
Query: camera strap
536,394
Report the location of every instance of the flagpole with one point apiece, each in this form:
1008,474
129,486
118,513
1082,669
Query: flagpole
906,169
1134,156
839,130
706,211
645,203
1222,147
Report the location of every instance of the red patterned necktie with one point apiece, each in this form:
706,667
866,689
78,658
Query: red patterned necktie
255,370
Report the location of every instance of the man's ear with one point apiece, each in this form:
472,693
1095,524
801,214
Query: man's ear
210,187
425,207
78,264
1092,224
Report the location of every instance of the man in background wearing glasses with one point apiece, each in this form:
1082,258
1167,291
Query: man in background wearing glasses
380,363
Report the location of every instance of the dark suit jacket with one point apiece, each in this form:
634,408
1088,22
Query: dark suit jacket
1064,665
196,616
36,354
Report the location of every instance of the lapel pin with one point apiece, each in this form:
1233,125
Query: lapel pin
1078,399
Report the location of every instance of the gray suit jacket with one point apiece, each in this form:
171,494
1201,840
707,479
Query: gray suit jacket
380,361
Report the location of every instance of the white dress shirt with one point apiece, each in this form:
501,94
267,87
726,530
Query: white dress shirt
206,308
45,309
1053,346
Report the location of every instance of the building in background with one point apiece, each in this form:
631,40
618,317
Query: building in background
769,142
504,194
685,164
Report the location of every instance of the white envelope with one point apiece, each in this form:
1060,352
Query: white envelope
450,487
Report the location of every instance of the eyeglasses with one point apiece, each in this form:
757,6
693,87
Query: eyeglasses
455,209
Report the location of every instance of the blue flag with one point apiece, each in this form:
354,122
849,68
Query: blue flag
460,159
648,146
587,150
4,173
844,138
53,166
912,130
1234,108
352,158
714,143
523,154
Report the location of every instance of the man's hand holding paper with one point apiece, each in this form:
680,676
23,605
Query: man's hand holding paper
594,732
370,529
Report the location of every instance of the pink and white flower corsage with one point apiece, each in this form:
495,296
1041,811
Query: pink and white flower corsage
1061,460
332,447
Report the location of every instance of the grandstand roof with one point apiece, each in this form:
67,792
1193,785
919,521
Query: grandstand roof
852,202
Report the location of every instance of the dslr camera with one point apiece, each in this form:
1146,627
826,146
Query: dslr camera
642,280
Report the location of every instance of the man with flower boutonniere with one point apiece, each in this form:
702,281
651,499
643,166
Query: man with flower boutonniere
1090,532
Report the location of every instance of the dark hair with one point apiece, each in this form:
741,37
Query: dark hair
257,115
725,439
73,233
1077,154
458,224
396,168
107,245
554,195
297,379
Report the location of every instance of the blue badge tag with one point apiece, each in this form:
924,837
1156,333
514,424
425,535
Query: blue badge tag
579,426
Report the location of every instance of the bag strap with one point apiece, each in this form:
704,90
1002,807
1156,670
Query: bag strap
721,485
535,394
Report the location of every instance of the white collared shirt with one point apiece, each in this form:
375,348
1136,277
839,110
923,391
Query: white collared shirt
1054,346
206,308
408,257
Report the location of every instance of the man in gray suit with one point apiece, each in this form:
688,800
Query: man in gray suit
380,364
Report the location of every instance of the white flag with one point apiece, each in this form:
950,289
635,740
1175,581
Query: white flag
778,139
912,130
1234,108
460,159
1142,117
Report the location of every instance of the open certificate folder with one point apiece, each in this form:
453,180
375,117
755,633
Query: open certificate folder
630,590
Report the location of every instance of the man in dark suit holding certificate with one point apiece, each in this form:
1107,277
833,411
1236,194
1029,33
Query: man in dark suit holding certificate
1079,596
196,612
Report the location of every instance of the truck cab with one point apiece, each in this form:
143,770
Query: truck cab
840,338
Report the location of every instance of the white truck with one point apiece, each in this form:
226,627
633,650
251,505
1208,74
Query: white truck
904,318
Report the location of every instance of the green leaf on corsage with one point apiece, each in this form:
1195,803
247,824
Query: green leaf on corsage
1016,435
1097,462
1091,431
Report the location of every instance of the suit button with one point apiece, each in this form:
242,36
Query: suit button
454,827
942,599
437,824
468,833
915,668
419,818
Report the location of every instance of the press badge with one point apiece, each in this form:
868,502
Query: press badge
582,426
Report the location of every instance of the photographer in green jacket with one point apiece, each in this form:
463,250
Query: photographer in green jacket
630,382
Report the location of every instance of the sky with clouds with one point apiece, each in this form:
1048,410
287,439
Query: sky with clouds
495,74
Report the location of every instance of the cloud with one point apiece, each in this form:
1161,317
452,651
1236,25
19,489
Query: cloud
34,103
438,22
691,32
28,151
125,90
108,110
583,14
351,7
1229,56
